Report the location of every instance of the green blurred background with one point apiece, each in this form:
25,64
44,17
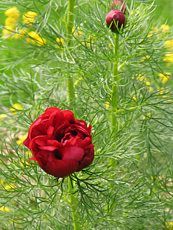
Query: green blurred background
164,10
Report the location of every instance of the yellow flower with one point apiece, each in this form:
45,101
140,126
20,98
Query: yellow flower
165,28
91,38
60,41
16,107
21,139
107,105
28,153
140,77
12,12
35,39
77,31
147,57
169,225
2,116
169,44
152,32
164,78
24,163
168,58
90,41
134,98
1,181
150,89
5,209
161,91
20,34
7,186
29,17
11,22
147,83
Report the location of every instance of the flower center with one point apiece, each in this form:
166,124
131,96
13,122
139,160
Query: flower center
57,155
74,133
59,137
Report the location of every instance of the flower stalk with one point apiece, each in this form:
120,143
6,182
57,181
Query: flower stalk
73,204
115,93
70,24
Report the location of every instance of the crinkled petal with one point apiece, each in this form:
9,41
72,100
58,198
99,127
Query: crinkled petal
73,153
57,168
68,115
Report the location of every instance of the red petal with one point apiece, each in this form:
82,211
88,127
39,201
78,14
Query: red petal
68,115
58,168
50,131
49,111
40,140
32,158
88,158
73,153
26,142
48,148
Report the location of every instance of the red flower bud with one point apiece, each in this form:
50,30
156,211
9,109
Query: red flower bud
115,19
60,144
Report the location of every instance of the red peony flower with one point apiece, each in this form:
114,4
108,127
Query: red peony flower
60,143
115,19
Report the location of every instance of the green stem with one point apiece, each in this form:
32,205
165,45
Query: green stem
70,24
71,91
115,93
73,204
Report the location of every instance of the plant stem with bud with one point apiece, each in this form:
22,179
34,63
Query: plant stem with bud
70,24
71,100
114,98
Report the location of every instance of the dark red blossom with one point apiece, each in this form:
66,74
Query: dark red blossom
115,20
60,143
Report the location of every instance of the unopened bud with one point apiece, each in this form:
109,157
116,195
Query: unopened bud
115,20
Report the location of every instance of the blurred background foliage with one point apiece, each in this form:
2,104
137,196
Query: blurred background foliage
164,11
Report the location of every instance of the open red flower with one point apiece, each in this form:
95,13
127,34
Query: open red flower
60,143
